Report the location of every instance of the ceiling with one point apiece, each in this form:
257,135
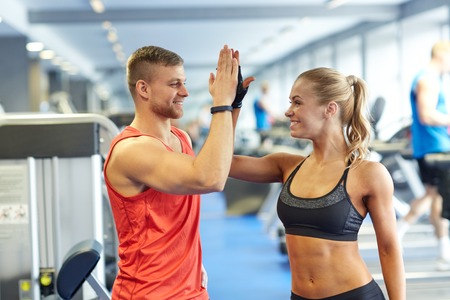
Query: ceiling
262,30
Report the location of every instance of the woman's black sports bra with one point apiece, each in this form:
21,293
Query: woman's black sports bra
331,217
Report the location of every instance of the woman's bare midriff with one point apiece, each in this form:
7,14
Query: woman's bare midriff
322,268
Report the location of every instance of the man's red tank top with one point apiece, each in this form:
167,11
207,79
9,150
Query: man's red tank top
159,240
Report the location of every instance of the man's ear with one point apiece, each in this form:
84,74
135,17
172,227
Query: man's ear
331,109
143,89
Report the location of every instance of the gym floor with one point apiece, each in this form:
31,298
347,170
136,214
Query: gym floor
244,262
241,260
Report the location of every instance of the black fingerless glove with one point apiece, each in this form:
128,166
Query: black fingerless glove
240,91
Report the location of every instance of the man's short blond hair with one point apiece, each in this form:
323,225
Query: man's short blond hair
440,47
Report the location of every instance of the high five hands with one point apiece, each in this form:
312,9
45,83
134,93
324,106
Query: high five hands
229,65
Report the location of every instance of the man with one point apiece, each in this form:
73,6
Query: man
262,109
264,115
429,135
154,179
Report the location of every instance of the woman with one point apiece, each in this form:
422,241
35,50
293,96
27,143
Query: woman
327,194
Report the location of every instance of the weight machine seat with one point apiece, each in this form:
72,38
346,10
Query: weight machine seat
376,111
77,266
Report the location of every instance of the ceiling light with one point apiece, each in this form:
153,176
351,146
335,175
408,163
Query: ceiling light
106,25
112,36
117,47
57,61
335,3
66,66
97,6
120,56
304,20
47,54
35,46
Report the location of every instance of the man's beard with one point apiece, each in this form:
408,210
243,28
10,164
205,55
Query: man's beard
170,112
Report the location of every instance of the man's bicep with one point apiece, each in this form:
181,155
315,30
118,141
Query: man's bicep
162,170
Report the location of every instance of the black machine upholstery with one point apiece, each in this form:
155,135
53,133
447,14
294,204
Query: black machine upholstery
78,264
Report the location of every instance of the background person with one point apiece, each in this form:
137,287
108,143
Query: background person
154,179
429,135
326,195
264,115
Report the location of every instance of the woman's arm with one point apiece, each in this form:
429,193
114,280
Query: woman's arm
380,206
269,168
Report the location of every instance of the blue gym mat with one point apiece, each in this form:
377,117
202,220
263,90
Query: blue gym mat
242,260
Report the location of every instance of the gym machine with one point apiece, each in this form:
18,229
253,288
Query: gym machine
395,154
77,268
51,198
